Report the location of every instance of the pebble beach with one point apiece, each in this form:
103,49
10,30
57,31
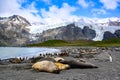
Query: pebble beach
107,69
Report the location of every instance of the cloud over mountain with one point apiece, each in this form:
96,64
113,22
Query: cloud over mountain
110,4
10,7
59,10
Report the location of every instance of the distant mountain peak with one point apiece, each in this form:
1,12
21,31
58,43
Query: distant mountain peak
14,16
15,19
19,19
14,30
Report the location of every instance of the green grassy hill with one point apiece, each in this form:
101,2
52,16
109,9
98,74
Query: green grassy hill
107,43
62,43
51,43
56,43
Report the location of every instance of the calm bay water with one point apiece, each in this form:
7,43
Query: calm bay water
10,52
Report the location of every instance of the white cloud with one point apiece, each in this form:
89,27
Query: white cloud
57,15
110,4
83,3
97,12
11,7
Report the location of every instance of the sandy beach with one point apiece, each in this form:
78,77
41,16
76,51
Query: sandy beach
107,70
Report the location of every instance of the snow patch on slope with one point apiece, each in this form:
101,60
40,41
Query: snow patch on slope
100,31
99,25
39,28
96,24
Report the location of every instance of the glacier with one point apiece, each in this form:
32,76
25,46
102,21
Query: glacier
97,24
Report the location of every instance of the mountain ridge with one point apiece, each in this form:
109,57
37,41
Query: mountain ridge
69,32
100,26
101,22
16,30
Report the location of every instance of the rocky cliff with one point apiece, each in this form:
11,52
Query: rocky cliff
69,32
109,35
13,31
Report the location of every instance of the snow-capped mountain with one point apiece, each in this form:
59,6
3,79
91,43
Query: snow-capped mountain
15,19
99,25
16,29
113,21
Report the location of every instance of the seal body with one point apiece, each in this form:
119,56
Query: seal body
58,59
62,66
77,64
46,66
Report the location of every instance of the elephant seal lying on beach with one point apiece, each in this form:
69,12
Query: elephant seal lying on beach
77,64
73,63
46,66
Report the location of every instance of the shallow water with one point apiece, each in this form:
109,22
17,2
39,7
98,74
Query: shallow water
10,52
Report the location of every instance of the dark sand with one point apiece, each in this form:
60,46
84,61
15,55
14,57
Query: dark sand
107,71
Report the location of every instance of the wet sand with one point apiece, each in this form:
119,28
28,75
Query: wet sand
107,71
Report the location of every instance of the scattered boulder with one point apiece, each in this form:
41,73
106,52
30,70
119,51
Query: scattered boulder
15,60
103,57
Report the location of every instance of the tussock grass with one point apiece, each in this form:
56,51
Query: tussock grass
57,43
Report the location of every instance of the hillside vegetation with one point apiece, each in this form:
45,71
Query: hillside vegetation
62,43
56,43
107,43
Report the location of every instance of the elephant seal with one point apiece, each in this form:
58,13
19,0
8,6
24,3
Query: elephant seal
77,64
46,66
58,59
62,66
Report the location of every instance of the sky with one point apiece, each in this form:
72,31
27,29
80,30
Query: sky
58,11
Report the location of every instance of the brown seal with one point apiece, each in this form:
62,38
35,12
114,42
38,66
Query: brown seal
62,66
77,64
46,66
